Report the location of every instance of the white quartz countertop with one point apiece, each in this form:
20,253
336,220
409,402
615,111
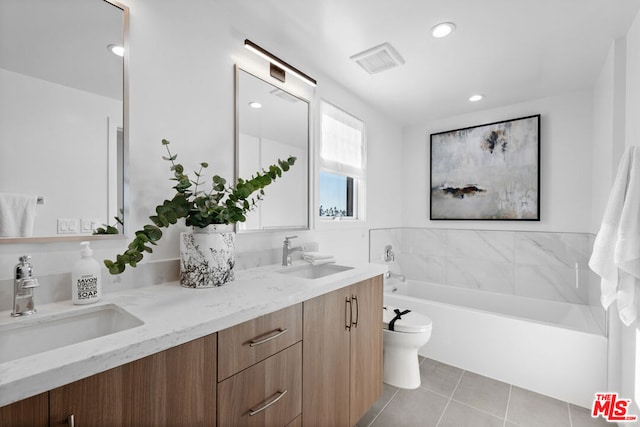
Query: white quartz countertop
172,315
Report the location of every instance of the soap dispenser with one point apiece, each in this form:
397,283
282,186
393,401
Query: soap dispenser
85,277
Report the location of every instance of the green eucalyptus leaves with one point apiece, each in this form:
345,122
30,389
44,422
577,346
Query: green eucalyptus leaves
222,204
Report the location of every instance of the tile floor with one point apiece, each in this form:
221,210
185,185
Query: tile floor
452,397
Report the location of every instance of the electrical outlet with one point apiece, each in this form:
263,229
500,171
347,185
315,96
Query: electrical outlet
68,225
88,225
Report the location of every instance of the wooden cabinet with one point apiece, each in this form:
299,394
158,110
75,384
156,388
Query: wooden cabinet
317,363
176,387
366,347
260,371
326,360
31,412
342,354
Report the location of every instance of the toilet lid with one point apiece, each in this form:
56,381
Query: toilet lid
408,322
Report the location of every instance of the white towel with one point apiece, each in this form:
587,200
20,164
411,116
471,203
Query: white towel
317,257
616,250
17,214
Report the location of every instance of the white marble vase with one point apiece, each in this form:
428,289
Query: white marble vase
207,257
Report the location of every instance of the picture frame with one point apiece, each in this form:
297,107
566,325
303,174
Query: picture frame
486,172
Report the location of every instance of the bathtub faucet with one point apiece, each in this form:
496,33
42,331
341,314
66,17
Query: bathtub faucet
389,275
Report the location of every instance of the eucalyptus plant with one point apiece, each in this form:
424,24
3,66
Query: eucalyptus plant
111,229
222,204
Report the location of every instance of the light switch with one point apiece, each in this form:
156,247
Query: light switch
68,225
88,225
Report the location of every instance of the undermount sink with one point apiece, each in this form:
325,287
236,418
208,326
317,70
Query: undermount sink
28,336
314,271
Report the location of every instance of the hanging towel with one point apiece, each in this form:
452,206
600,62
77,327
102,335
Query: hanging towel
616,250
17,214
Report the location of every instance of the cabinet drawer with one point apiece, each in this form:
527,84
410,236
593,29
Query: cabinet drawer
267,394
250,342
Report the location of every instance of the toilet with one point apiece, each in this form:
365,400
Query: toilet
403,337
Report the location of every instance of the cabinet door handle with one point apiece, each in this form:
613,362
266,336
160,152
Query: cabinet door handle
279,395
276,333
347,314
355,323
71,421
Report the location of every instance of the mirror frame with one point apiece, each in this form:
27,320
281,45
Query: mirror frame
236,122
125,177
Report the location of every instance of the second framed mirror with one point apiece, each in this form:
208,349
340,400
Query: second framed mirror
273,124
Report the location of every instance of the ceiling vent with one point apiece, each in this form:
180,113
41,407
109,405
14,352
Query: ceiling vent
379,58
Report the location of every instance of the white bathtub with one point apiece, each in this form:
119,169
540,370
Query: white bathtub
553,348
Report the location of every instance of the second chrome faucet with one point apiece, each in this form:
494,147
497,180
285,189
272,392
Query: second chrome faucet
287,250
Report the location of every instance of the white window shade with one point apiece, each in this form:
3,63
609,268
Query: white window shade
342,143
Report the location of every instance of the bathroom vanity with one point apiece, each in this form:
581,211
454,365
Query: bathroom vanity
268,349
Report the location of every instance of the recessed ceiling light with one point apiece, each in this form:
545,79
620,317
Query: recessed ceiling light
475,98
116,49
443,29
255,105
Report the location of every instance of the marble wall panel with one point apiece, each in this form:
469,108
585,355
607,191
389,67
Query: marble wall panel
422,267
532,264
495,246
480,274
424,241
559,249
551,282
380,238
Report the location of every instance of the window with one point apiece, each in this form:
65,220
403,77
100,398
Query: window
342,164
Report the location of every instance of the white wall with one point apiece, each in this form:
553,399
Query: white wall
602,171
565,157
182,89
632,136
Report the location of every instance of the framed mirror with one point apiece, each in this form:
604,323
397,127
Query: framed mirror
273,124
63,118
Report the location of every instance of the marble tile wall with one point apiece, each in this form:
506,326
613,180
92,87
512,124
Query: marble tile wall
546,265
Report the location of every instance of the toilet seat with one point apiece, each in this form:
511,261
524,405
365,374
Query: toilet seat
411,322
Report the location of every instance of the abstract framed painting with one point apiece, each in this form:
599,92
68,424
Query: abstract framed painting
487,172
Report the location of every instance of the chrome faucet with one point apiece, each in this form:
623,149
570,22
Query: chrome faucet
23,284
287,250
389,275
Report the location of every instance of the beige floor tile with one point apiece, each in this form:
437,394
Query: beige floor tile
388,392
459,415
412,408
531,409
581,417
438,377
483,393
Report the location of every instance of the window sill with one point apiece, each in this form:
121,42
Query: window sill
329,223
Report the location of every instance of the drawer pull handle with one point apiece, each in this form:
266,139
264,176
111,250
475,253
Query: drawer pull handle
258,341
71,420
355,323
347,323
279,395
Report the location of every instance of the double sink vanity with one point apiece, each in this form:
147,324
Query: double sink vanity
300,345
